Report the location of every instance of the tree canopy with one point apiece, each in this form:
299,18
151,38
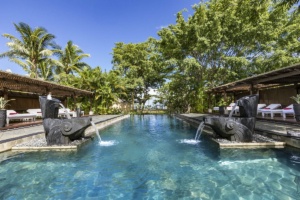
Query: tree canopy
222,41
34,48
227,40
141,66
70,59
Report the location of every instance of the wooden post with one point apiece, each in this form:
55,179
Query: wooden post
225,95
47,91
65,101
91,100
5,93
296,87
74,99
251,89
209,100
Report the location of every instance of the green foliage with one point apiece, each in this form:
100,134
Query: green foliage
287,4
70,59
141,66
32,51
4,102
107,88
224,41
296,98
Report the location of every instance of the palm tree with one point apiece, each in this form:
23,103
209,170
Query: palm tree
46,71
31,49
71,59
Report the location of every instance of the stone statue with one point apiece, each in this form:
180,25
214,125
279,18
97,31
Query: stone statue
60,131
236,128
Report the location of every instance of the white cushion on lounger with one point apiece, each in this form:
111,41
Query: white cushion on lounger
36,111
268,108
287,110
11,114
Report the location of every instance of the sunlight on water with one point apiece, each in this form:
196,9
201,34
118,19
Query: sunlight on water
108,143
191,141
241,162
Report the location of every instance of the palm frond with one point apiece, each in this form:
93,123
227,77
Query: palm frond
21,63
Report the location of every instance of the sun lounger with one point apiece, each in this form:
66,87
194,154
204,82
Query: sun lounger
287,110
267,110
36,111
261,105
11,114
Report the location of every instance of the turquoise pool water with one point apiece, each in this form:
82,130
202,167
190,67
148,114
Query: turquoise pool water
151,157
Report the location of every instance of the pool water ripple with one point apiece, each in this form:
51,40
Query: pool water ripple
152,157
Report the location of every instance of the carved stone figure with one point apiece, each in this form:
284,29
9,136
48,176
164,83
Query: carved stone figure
60,131
236,128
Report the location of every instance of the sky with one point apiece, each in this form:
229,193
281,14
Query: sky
94,25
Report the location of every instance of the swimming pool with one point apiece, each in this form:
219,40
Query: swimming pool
149,157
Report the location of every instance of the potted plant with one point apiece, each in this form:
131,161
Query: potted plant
3,104
78,109
297,107
222,107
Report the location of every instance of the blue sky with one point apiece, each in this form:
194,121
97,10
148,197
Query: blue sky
94,25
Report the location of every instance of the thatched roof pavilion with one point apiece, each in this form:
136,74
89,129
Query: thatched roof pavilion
277,78
15,82
26,90
276,86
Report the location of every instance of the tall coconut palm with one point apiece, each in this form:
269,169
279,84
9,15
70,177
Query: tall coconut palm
71,59
46,70
34,47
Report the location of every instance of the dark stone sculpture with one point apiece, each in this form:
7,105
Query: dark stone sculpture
236,128
61,131
49,108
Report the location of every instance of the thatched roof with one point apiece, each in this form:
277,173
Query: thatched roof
280,77
15,82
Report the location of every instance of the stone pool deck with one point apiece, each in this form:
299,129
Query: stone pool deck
270,128
11,137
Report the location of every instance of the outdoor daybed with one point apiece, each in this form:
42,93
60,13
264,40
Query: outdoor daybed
36,111
287,110
11,114
268,108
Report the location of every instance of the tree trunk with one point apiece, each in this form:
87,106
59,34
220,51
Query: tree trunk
142,107
189,109
132,97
